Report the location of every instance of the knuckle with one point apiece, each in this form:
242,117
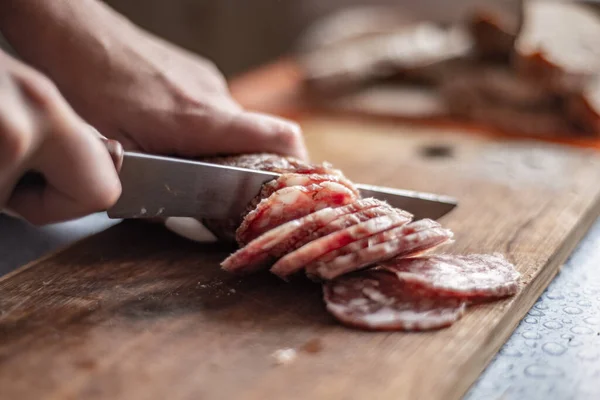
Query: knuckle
215,74
41,89
291,133
15,141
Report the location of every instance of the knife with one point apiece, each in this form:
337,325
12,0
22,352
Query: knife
157,186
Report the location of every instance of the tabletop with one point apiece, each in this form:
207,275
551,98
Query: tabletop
553,354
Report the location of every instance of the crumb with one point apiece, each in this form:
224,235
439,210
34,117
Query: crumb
232,290
313,346
284,356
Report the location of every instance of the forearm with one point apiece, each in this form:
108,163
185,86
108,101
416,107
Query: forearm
48,34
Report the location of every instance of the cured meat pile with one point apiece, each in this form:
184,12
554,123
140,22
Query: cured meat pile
528,67
369,257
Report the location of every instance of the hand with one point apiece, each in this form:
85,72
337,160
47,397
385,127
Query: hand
136,88
162,99
39,131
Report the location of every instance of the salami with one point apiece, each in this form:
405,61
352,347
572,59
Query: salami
412,242
381,237
378,300
313,219
274,163
352,214
225,229
298,259
471,276
291,203
350,219
287,237
295,179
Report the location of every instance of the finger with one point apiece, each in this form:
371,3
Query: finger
248,132
18,139
81,178
254,132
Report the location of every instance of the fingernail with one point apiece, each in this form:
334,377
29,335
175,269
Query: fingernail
115,149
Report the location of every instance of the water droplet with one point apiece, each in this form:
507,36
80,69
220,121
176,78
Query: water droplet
592,321
584,303
590,290
531,343
574,294
572,284
531,320
582,330
567,336
553,348
535,313
575,343
541,306
554,296
566,321
588,355
542,371
531,335
572,310
510,352
553,325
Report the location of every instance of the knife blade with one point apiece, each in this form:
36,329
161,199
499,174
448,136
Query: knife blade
157,186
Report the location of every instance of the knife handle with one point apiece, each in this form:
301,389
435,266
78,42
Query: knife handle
35,179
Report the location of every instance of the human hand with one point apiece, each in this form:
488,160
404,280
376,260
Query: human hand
40,132
156,97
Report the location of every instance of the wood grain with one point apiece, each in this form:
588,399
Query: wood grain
137,313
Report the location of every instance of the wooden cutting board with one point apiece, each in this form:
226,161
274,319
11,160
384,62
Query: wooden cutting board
138,313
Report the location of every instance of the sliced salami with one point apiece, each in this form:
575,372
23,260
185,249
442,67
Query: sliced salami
291,203
225,229
368,208
350,219
257,253
276,242
378,300
381,237
471,276
413,241
294,179
274,163
298,259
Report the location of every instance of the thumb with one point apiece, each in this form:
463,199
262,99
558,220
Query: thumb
239,131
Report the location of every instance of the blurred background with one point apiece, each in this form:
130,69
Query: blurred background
239,35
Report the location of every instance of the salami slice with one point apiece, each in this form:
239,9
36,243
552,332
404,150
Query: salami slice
367,208
378,300
470,276
225,229
276,242
350,219
298,259
413,241
291,203
294,179
379,238
273,244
